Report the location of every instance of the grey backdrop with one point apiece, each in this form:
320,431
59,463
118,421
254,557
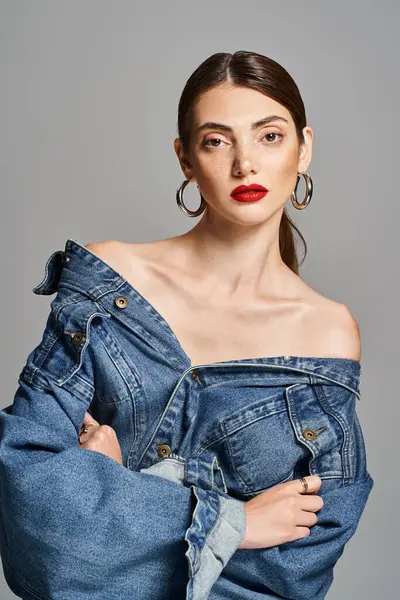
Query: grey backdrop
89,94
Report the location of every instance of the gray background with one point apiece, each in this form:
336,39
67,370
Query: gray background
89,94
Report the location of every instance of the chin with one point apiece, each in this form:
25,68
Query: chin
248,215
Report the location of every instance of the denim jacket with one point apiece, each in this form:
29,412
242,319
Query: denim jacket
197,442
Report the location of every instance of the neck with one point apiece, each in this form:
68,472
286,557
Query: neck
235,260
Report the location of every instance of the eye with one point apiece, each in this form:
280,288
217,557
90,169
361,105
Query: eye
274,133
205,143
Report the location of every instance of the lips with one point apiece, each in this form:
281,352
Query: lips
253,187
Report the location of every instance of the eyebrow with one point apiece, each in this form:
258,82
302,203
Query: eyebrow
256,125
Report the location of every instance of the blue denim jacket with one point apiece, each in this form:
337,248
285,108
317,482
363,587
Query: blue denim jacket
197,442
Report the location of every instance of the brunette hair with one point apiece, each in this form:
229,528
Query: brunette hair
260,73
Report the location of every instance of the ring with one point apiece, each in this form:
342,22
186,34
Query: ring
305,484
84,429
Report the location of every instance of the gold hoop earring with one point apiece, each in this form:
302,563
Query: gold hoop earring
309,192
181,204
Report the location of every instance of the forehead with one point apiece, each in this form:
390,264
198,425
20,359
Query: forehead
237,106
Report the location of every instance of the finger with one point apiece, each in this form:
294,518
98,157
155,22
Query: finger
314,484
89,420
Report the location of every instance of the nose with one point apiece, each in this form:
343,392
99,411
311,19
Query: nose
244,163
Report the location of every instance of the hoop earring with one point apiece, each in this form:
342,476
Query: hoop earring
309,192
181,204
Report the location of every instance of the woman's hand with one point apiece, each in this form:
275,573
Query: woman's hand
283,513
101,438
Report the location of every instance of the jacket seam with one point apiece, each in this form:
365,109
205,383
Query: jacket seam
89,294
75,299
344,451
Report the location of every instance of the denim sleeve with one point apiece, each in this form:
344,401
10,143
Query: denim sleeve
75,524
304,568
210,547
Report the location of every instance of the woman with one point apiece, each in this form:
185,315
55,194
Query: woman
191,406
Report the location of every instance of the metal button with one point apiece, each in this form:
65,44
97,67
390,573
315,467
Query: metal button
311,434
195,374
77,338
163,450
121,301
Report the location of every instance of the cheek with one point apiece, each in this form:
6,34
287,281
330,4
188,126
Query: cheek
286,161
213,173
283,172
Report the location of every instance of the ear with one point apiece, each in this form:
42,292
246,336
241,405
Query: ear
184,160
305,154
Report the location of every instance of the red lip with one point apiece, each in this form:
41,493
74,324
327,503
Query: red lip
246,188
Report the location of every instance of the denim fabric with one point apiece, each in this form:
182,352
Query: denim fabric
197,442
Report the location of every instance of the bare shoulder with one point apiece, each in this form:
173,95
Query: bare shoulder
123,257
116,249
329,325
111,252
104,248
340,331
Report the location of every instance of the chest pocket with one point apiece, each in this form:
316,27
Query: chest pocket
259,448
292,433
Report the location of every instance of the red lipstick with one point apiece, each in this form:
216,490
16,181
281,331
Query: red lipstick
249,193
